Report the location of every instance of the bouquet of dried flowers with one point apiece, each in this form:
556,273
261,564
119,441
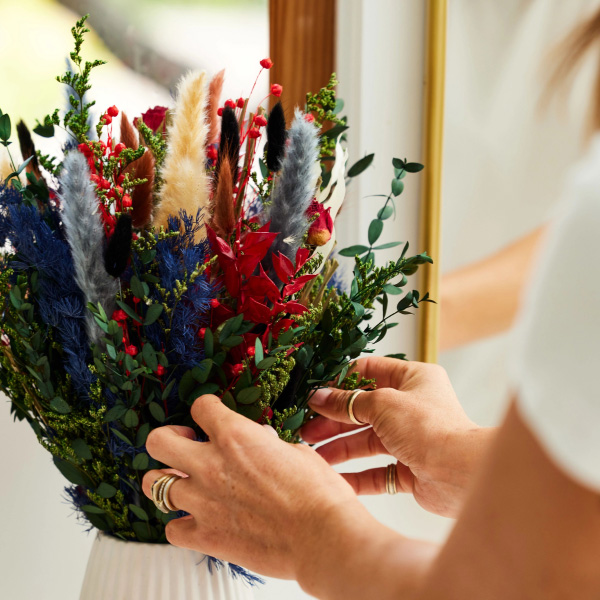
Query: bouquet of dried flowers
180,256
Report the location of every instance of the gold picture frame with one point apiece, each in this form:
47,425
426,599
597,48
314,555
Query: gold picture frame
431,193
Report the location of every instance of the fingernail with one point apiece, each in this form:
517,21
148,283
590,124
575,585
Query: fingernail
271,430
319,398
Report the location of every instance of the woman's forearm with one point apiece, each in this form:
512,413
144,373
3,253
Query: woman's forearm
353,556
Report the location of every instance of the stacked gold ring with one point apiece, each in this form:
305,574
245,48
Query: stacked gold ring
160,493
390,479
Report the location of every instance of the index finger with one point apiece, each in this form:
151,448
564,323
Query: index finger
172,445
387,372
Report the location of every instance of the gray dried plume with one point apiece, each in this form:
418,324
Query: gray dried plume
84,232
294,189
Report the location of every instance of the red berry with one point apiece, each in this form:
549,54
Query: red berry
119,148
121,179
104,184
309,118
107,119
241,102
220,112
214,303
250,351
119,315
202,332
113,111
254,133
211,152
260,120
127,203
160,370
276,90
131,350
230,103
84,149
266,63
95,178
238,369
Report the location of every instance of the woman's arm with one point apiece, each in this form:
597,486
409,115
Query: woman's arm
482,299
527,530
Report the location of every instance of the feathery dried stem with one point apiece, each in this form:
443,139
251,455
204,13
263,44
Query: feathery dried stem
294,189
215,88
129,135
223,217
185,179
84,232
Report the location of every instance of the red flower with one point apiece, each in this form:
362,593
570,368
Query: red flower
119,315
260,120
155,118
266,63
276,90
230,103
241,102
320,230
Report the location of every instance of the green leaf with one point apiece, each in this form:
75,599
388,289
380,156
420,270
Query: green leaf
386,212
353,250
139,512
208,343
129,311
292,423
186,385
142,434
201,390
157,411
228,400
131,419
360,165
259,353
375,229
137,288
72,473
5,128
154,311
46,131
106,490
115,413
388,245
140,462
334,132
149,356
398,163
413,167
121,436
264,171
81,449
232,341
201,372
265,363
391,289
249,395
60,406
397,187
140,528
339,106
92,509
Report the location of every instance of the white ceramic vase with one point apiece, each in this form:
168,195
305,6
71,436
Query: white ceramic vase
120,570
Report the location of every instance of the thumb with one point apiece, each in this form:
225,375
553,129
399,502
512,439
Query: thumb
335,404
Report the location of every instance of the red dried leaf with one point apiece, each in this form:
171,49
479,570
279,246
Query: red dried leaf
292,307
255,311
301,257
296,285
262,285
283,267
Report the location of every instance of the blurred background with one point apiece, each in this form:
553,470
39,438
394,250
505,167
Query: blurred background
505,160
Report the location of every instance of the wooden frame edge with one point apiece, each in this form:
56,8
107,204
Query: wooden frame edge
431,194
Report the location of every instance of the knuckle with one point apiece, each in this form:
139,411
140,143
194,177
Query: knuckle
155,439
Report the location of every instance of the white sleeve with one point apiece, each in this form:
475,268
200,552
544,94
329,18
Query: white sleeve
555,367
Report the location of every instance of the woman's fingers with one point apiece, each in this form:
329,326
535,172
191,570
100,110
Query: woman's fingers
173,446
373,481
178,491
361,444
387,372
322,428
333,403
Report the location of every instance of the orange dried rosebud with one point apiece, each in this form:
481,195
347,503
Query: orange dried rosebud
320,230
254,133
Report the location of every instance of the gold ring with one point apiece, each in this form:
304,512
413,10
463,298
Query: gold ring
160,493
351,405
390,479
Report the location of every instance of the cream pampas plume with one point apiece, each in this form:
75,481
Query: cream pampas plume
212,111
84,232
186,183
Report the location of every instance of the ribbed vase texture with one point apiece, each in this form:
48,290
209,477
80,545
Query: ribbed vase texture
120,570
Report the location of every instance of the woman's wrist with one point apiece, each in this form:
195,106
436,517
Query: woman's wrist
375,559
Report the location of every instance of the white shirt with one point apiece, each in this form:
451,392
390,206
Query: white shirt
555,367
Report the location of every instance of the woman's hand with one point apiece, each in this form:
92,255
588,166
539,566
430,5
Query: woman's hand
415,417
255,500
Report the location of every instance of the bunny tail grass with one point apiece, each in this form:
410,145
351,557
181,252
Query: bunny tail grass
118,249
276,136
229,146
214,97
223,217
293,190
186,185
84,232
129,135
